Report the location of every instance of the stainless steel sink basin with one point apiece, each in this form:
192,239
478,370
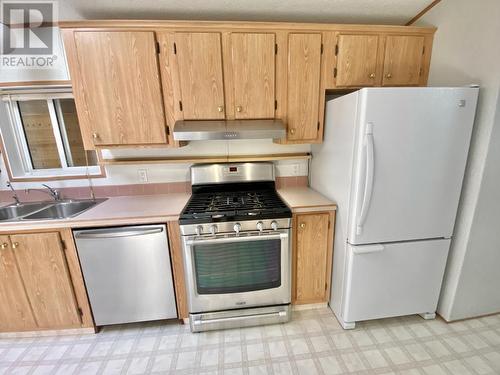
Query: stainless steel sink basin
63,209
16,211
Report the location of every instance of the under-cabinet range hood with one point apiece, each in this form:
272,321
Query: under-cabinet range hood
198,130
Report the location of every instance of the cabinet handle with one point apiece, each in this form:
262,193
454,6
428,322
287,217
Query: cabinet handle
15,245
388,75
302,225
292,131
238,108
220,108
95,135
4,245
372,75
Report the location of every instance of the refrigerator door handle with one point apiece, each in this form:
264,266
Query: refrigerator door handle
367,249
370,166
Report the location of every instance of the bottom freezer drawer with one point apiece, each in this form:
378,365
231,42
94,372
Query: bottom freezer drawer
394,279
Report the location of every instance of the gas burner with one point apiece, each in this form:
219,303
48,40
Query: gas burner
246,201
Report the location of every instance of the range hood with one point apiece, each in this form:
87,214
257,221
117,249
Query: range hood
198,130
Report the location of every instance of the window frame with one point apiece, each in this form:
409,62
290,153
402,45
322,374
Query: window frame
22,168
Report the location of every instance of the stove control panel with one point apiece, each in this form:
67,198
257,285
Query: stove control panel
260,226
232,227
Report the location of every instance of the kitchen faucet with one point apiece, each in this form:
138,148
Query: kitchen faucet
14,194
51,191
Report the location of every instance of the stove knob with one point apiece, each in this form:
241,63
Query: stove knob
199,230
237,228
260,226
274,225
213,229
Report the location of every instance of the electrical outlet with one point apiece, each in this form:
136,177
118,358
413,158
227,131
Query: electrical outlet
143,175
295,169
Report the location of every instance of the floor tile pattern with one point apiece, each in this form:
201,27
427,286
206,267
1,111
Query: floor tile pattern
313,343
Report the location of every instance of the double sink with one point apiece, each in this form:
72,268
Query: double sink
62,209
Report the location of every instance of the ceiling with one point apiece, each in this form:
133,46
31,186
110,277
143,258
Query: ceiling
335,11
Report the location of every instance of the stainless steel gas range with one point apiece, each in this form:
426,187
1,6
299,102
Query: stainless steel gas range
236,234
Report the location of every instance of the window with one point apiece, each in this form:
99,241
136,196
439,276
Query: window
42,137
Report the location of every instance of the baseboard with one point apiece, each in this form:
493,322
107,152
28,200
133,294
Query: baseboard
309,306
57,332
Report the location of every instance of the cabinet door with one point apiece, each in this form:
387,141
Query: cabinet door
403,60
121,84
199,61
357,60
312,257
304,67
44,271
15,311
253,63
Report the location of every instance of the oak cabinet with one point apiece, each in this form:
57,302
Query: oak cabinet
15,311
133,80
303,92
199,62
403,60
38,288
381,60
357,60
44,270
117,88
312,257
253,80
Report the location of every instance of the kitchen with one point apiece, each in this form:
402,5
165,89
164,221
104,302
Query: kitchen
252,197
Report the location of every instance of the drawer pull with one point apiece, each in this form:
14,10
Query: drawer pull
15,245
4,245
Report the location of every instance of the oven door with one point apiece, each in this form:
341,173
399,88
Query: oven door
237,271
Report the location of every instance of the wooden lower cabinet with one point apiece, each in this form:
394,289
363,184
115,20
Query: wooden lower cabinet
41,283
15,310
312,256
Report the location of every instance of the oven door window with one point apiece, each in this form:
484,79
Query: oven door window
234,267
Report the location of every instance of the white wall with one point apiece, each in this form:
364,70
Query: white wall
466,50
57,72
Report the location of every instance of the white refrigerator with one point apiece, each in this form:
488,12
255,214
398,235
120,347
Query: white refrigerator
393,159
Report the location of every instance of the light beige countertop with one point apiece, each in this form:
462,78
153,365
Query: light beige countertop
159,208
305,199
125,210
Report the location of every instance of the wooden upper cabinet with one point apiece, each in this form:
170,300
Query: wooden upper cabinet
313,247
253,66
119,87
15,310
199,61
357,57
304,70
44,270
403,60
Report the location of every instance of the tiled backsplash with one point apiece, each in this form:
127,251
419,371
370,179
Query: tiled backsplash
135,189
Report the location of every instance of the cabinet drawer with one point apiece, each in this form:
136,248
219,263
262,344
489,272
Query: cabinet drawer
394,279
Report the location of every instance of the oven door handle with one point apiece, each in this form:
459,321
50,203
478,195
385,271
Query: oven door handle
258,237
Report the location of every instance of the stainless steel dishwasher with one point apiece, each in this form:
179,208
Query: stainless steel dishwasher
127,273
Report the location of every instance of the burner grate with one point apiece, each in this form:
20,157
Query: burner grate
221,204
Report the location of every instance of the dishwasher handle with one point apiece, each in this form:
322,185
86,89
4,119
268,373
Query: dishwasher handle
113,233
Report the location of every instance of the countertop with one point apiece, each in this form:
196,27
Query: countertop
305,199
125,210
159,208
